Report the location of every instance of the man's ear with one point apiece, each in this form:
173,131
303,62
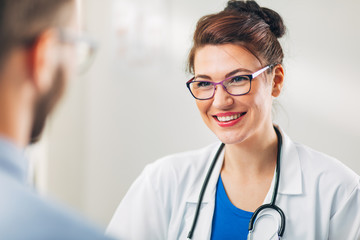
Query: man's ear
278,80
43,60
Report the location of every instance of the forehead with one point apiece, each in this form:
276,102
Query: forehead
218,60
75,16
69,15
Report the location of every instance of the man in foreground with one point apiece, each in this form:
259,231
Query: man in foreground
37,43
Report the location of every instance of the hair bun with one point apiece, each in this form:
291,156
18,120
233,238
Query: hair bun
272,18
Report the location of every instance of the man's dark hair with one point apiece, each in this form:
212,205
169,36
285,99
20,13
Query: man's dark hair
22,21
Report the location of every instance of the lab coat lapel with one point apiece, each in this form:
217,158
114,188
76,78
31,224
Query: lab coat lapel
203,227
290,171
290,177
290,184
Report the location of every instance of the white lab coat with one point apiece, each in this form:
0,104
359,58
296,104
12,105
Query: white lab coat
318,194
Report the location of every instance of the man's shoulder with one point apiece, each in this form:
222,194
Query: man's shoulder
26,215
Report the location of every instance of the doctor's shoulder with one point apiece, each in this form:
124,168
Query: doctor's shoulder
329,176
323,165
160,192
181,169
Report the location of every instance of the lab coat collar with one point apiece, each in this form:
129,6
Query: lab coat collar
290,174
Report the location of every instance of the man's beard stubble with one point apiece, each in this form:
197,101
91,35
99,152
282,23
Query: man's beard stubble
46,104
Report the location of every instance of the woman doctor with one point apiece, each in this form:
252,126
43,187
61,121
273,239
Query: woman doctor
236,60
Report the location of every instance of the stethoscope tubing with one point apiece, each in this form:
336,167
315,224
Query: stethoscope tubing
271,205
202,192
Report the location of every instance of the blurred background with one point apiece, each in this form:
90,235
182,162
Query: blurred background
132,106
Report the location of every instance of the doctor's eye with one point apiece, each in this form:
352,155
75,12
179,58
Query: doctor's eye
239,80
203,85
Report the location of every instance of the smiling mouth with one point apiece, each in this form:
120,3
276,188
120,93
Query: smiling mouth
229,118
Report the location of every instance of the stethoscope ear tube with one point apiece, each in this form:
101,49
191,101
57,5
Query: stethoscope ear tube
203,188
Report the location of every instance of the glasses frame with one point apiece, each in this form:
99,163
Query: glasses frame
73,37
250,76
69,36
66,36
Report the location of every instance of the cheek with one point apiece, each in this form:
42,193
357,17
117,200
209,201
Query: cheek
203,106
262,100
258,100
69,62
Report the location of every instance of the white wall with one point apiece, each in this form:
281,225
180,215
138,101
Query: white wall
119,116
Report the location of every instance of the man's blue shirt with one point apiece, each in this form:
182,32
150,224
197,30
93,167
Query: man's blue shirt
26,215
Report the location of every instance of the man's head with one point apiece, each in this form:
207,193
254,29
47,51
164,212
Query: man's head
34,54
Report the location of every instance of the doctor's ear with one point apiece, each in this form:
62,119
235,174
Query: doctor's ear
278,80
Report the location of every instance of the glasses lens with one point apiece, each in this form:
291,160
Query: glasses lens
85,48
85,53
202,89
238,85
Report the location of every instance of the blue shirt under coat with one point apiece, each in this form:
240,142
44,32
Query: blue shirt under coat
229,222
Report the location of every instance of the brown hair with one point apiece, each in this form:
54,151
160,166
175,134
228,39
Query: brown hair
22,21
244,23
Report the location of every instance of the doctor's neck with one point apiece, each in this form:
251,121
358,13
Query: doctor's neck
254,155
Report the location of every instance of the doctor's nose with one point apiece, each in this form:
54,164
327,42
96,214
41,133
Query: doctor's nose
222,99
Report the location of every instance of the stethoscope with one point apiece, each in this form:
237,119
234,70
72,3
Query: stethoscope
270,205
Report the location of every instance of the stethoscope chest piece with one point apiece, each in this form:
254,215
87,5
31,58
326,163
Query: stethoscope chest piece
268,224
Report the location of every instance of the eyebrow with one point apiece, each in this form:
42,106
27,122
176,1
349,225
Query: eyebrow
227,75
236,71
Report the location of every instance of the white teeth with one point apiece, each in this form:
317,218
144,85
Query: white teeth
228,118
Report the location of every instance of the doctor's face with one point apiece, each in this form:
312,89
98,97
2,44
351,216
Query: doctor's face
234,119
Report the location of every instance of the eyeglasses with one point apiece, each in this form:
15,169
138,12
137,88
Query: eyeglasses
235,85
85,47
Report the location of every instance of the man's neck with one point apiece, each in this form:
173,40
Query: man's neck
15,116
